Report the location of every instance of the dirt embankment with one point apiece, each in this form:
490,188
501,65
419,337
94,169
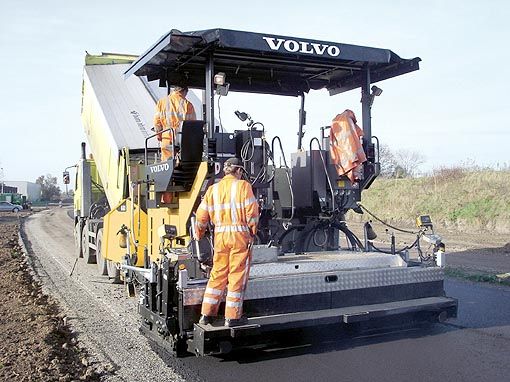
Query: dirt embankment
35,342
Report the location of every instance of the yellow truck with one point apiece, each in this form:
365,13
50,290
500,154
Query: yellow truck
308,267
110,189
105,199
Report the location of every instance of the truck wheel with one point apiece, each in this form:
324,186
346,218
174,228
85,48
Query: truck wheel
88,253
77,239
101,261
113,272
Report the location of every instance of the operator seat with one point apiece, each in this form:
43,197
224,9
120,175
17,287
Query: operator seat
191,142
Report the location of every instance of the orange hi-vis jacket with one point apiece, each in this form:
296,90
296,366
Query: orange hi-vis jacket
230,205
345,146
170,112
233,209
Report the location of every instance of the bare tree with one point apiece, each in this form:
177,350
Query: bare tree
387,161
407,163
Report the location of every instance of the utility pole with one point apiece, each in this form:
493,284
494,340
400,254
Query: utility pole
2,178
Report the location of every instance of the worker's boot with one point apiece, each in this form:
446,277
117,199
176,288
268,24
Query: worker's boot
230,322
205,320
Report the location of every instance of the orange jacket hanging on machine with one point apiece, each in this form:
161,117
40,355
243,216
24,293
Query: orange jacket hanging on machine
345,146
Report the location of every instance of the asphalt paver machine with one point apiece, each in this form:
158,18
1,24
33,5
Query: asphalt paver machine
308,268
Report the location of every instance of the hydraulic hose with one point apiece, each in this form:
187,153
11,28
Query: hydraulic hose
420,253
277,138
353,239
314,238
385,223
280,239
246,147
415,243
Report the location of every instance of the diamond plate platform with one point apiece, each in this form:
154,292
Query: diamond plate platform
324,262
324,273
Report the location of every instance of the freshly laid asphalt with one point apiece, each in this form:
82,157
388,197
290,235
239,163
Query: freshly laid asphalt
473,347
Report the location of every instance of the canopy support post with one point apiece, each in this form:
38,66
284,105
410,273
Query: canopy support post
365,107
209,96
302,122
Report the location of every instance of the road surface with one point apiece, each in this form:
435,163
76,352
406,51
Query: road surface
473,347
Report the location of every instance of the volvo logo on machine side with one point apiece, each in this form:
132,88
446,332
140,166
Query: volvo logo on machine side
159,168
295,46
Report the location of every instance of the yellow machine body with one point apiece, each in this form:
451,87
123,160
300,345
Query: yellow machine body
178,217
135,219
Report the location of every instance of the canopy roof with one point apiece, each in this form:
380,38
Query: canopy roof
266,63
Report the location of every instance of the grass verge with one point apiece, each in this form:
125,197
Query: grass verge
476,276
465,199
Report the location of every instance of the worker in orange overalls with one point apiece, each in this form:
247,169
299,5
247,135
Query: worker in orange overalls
345,146
170,112
231,206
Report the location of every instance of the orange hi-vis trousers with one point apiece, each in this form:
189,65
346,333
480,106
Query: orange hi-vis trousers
232,258
167,151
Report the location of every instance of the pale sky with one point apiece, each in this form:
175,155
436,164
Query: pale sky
452,110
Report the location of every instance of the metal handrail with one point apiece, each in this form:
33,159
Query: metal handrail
146,156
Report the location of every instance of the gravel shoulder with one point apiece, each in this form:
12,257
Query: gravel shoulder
105,320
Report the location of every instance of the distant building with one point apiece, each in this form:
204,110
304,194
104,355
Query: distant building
31,190
5,189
